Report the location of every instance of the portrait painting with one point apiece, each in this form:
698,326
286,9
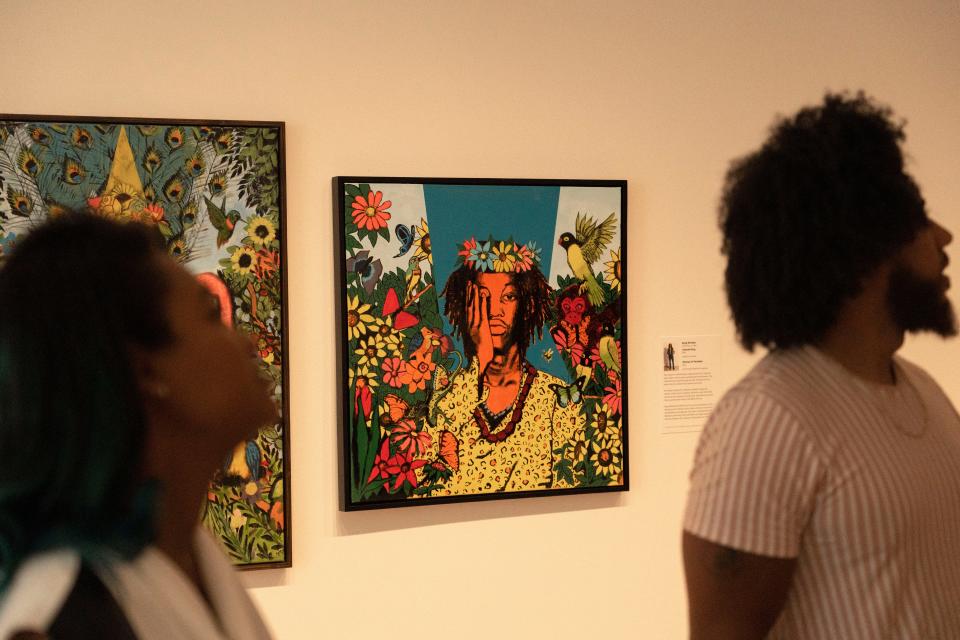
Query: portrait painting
483,339
213,193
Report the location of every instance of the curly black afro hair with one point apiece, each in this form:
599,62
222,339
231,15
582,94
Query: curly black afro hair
807,217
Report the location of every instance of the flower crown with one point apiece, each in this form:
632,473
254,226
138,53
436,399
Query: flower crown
498,256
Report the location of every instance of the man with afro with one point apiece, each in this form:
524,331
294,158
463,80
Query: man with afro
825,490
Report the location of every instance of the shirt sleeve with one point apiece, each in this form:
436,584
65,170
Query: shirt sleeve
754,479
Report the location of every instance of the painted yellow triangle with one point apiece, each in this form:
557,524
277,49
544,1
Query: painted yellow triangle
123,171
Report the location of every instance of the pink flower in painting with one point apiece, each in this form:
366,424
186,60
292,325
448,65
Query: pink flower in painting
380,463
371,212
155,211
613,396
409,438
393,369
524,258
402,470
595,359
468,246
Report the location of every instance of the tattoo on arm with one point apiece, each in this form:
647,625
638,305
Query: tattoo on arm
727,561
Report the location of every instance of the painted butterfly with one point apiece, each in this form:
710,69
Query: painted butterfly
397,408
405,234
569,394
401,319
450,450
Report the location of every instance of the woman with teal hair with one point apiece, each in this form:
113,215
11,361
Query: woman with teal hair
120,392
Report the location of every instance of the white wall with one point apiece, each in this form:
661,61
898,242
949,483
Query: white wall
663,94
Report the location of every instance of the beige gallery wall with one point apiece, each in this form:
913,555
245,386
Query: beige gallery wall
662,94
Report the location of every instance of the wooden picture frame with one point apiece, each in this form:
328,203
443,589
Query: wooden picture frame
214,190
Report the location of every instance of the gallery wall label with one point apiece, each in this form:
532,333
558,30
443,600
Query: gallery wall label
691,368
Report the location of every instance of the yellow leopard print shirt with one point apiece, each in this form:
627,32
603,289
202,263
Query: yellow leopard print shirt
522,461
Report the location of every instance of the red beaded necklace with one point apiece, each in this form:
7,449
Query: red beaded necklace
530,373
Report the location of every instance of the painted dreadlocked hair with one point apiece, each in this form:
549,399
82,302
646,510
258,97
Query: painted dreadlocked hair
533,292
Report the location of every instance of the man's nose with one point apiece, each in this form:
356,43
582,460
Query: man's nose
940,232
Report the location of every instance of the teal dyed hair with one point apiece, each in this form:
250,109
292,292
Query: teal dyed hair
76,294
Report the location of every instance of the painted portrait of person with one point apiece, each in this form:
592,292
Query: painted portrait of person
482,336
499,419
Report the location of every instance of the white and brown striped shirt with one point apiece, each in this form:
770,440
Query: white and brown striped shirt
858,481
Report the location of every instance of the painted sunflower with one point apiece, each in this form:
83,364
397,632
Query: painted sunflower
504,259
606,427
605,458
359,320
261,231
244,260
422,242
371,350
121,201
613,269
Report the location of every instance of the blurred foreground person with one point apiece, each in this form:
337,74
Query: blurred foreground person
825,492
120,393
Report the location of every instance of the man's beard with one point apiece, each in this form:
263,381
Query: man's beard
917,304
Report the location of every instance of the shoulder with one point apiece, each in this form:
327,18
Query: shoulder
917,374
38,590
932,393
798,381
56,593
777,400
545,379
547,388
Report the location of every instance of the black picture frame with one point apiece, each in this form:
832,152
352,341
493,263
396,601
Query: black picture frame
404,432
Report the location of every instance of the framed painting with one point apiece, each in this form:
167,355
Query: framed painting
214,192
483,339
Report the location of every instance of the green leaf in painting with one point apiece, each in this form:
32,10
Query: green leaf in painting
352,191
374,443
164,227
362,434
276,489
564,471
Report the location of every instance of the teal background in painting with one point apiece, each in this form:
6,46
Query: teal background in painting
456,213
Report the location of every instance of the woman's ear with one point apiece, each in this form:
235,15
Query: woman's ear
151,384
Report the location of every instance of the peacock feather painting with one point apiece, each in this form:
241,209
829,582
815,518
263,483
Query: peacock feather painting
483,327
213,191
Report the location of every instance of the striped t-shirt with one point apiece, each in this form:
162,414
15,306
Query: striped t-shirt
858,481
